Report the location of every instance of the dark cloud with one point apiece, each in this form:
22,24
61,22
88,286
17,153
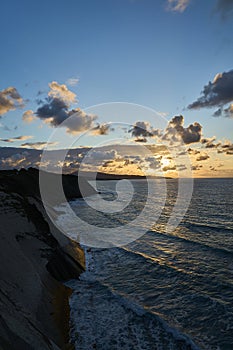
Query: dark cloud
228,112
212,168
181,167
209,142
225,8
169,168
79,121
141,139
10,99
154,162
202,156
193,151
225,112
101,129
38,145
18,138
141,129
196,167
98,156
108,163
176,132
226,148
56,110
218,93
218,113
206,140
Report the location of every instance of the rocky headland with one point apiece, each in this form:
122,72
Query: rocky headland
35,260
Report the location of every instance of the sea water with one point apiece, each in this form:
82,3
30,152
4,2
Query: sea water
164,290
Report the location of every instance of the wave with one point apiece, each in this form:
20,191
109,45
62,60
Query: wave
158,261
192,277
111,321
188,240
219,228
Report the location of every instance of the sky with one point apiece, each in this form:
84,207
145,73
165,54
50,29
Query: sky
59,58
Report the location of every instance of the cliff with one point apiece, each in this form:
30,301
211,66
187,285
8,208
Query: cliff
35,259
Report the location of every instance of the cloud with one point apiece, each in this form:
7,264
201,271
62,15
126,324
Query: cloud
218,93
176,132
99,155
101,129
209,142
225,112
38,145
56,110
72,81
18,138
169,168
212,168
196,167
226,148
202,156
141,139
181,167
225,8
154,162
143,129
14,161
10,99
192,151
79,121
60,91
28,117
177,5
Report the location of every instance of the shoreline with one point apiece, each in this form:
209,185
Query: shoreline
62,315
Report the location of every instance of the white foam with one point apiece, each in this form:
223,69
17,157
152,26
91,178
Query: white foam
105,319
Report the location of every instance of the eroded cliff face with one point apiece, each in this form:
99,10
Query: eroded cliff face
35,258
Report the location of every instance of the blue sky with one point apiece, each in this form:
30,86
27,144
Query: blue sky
134,51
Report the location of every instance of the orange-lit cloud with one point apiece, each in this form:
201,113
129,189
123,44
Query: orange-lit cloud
29,117
10,99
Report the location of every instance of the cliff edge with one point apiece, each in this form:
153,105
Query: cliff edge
35,259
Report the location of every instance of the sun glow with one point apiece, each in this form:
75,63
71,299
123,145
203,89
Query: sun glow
166,162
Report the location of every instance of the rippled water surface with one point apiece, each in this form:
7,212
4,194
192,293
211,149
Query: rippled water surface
164,290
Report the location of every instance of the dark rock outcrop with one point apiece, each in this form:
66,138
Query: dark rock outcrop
35,258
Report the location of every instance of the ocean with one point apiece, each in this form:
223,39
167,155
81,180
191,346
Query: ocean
165,290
